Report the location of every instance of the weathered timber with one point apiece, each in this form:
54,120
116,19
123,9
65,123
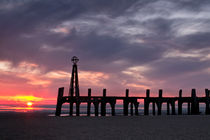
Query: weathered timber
59,101
89,102
129,103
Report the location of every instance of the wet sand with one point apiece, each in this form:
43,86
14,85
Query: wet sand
40,126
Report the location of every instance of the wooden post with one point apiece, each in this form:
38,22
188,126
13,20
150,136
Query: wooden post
195,104
197,108
173,108
146,102
168,109
103,103
59,101
136,105
104,92
159,105
71,107
127,93
77,108
207,92
125,107
207,112
153,108
147,93
160,93
188,108
103,110
89,102
131,108
96,107
180,102
125,103
113,108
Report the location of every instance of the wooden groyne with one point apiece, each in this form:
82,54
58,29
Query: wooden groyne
74,98
132,103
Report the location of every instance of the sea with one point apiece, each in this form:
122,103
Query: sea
50,109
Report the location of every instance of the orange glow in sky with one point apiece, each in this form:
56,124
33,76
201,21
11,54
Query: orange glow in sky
29,104
21,103
20,98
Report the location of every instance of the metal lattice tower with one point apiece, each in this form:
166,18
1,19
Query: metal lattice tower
74,82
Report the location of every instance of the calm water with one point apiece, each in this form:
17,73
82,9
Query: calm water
83,109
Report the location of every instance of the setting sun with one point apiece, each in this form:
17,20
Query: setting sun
29,103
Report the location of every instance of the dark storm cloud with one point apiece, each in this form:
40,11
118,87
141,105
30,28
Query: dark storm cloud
194,5
103,50
193,41
37,12
161,28
173,67
108,35
35,17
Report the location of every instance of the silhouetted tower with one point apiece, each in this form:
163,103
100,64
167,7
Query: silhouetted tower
74,83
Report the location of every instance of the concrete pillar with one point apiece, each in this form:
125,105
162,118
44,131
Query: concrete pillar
89,102
59,101
207,102
180,103
168,108
153,108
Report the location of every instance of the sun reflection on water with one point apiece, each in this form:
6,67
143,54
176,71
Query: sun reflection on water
15,108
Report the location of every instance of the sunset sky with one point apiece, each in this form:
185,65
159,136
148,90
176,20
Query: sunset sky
135,44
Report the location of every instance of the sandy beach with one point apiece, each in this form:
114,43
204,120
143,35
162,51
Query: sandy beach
38,126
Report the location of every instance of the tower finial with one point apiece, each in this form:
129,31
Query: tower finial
74,60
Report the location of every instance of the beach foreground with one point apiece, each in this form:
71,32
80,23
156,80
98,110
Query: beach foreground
39,126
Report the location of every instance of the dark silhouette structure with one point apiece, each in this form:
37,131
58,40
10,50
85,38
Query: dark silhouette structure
74,87
75,98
